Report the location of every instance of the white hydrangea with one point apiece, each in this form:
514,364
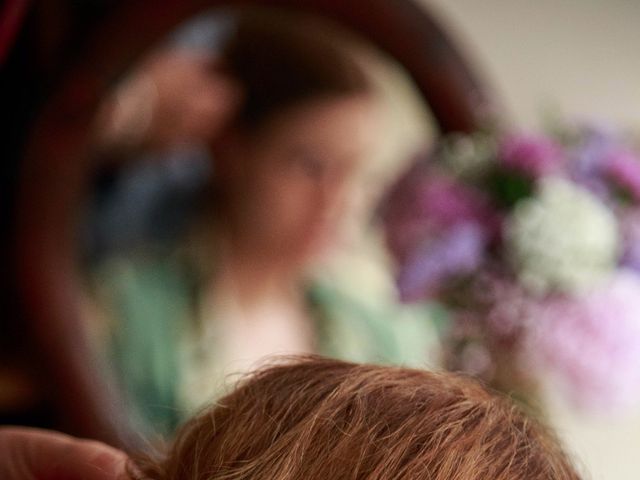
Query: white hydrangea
562,239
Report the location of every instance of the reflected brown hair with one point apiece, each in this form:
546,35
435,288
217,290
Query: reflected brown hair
283,60
318,419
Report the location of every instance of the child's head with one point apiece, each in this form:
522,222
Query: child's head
318,419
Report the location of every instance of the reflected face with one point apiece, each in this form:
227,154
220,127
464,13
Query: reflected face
291,181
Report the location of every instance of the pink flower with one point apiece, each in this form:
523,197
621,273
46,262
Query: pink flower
592,344
531,155
509,304
623,168
445,202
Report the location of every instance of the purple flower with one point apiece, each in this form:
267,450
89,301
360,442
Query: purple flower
623,168
603,164
531,155
630,230
423,204
445,202
457,251
592,343
586,165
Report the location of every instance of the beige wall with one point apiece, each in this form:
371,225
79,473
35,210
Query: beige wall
583,57
580,55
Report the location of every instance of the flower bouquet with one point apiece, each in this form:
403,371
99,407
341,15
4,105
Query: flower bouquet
531,243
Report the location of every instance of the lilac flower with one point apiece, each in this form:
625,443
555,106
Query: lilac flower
592,344
457,251
601,163
586,160
531,155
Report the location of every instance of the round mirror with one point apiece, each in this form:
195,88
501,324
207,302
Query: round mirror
212,202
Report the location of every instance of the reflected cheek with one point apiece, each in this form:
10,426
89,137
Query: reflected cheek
305,220
298,213
280,214
294,212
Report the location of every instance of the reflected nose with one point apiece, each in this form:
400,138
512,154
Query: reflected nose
333,197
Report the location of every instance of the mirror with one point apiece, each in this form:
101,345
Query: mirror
235,174
76,161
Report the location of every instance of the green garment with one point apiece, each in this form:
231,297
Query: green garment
154,301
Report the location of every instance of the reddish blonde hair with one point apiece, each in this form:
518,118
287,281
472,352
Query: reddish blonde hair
318,419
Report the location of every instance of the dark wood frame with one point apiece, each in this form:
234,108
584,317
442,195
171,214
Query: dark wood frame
56,172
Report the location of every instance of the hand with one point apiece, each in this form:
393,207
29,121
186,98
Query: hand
174,96
32,454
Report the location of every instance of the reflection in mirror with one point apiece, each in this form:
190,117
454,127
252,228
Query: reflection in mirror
237,168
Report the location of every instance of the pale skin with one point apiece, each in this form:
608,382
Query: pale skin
287,184
174,96
286,189
34,454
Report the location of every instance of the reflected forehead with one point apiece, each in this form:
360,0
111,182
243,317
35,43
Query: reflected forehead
329,120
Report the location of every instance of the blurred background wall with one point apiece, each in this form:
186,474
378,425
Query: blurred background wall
579,57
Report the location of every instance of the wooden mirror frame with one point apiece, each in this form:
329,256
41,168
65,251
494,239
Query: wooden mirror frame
56,169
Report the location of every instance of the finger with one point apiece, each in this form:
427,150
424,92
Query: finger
33,454
89,460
